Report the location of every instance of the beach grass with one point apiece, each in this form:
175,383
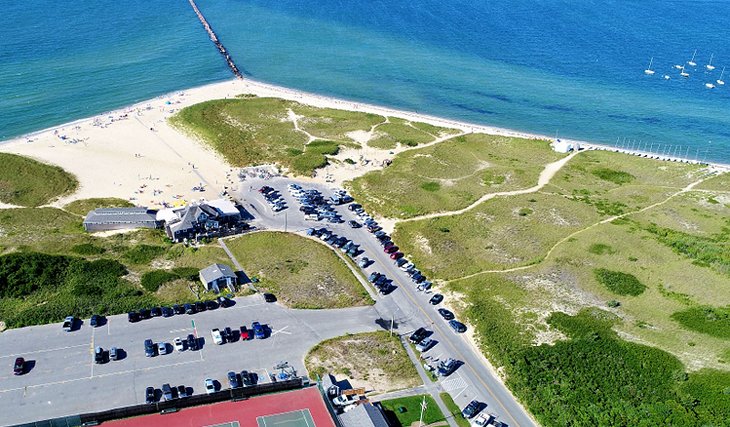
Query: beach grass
301,272
720,182
27,182
373,358
84,206
452,174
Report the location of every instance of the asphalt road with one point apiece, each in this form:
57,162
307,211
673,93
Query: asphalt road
407,307
63,380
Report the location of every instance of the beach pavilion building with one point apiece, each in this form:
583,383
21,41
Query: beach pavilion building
216,276
105,219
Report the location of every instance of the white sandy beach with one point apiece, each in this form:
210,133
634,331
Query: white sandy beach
134,154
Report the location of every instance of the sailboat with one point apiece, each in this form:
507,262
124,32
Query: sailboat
649,71
692,62
666,77
684,73
720,81
677,66
709,65
709,85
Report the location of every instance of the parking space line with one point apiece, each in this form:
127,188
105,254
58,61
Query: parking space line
108,327
43,351
282,330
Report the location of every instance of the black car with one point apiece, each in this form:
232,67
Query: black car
436,299
99,355
133,317
144,314
94,321
192,342
156,312
149,348
446,314
249,378
211,305
200,306
149,395
418,336
167,312
189,308
182,391
354,206
233,380
447,367
471,409
457,326
354,224
178,309
269,297
167,392
19,366
224,302
227,334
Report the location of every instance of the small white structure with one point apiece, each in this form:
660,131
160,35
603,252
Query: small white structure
564,146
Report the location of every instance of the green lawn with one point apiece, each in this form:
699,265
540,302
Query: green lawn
454,409
27,182
301,272
452,174
405,411
374,360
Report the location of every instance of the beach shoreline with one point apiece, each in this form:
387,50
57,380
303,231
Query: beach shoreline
138,140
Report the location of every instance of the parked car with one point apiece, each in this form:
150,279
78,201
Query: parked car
471,409
161,348
69,323
227,334
200,306
211,305
19,366
182,391
192,342
224,302
178,309
245,333
446,367
149,348
95,320
217,337
167,312
418,336
98,355
209,385
354,206
436,299
425,345
179,346
269,297
114,353
258,330
396,255
149,395
233,380
133,317
354,224
364,262
189,309
373,276
482,420
446,314
387,246
167,392
457,326
155,312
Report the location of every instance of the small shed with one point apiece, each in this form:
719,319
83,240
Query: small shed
562,146
216,276
363,415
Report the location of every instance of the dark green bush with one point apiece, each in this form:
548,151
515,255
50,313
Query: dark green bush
713,321
87,249
618,282
615,176
143,254
23,273
152,280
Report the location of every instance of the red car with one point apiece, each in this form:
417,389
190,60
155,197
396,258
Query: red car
19,366
245,334
391,249
396,255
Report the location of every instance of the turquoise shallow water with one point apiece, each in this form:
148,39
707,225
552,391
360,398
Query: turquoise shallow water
546,66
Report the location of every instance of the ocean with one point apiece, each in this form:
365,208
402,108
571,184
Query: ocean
569,68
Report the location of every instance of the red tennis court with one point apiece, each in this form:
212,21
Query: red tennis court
299,408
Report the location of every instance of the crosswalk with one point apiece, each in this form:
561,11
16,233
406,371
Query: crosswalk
453,384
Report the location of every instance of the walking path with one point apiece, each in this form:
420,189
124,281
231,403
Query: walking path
545,176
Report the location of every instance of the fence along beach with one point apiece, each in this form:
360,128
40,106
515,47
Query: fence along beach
214,38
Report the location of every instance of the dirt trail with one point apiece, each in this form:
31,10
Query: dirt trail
575,233
545,176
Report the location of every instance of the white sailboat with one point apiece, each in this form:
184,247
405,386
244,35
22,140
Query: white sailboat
709,65
684,73
692,62
720,81
649,71
709,85
666,77
677,66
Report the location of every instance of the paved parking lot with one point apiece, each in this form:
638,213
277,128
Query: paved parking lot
408,307
63,380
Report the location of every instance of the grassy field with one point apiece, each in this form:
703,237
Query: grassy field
399,132
405,411
301,272
27,182
719,183
452,175
454,409
373,360
500,233
252,131
83,206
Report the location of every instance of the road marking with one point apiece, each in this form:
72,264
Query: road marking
454,384
180,330
108,327
93,331
282,330
43,351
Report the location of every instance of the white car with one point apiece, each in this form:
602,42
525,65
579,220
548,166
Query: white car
209,386
217,337
483,419
425,345
179,344
161,348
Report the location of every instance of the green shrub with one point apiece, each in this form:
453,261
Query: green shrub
714,321
618,282
21,274
601,249
706,251
87,249
615,176
323,147
431,186
152,280
143,254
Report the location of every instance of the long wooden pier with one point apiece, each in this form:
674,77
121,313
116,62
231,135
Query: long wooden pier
216,41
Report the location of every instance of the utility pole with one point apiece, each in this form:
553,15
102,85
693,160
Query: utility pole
423,408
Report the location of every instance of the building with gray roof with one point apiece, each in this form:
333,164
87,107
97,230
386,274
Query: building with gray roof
105,219
217,275
363,415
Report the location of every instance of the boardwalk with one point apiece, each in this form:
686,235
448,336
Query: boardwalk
216,41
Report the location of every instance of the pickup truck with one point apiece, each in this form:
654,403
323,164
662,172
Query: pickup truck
258,330
217,337
68,323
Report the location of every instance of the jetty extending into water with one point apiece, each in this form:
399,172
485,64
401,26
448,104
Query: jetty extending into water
216,41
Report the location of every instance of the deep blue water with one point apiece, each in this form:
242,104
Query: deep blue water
545,66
